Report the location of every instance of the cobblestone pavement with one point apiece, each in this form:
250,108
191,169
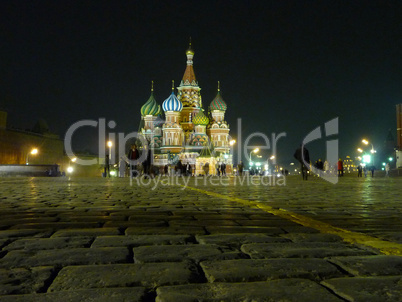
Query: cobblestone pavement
232,239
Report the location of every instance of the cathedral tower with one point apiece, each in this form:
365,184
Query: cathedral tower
172,130
189,95
218,129
149,113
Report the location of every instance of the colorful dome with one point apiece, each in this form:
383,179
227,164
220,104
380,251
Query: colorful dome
200,119
172,104
150,107
199,140
218,103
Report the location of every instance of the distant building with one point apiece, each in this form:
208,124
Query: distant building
349,165
16,144
187,132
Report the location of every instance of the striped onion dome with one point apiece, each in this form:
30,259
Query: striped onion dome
159,113
172,103
150,107
200,119
218,103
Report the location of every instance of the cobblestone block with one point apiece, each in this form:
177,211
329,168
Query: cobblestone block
164,231
297,290
140,223
23,280
244,229
236,240
4,242
56,225
27,221
208,222
148,275
25,233
298,229
307,237
127,294
247,270
380,265
86,218
267,223
139,240
150,217
177,253
300,250
86,232
64,257
384,289
219,216
49,243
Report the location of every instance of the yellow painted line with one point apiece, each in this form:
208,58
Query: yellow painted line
385,247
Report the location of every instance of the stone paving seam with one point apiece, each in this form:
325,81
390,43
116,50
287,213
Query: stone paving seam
385,247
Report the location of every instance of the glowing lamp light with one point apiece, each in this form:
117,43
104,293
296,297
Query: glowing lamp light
390,159
251,164
266,167
34,151
360,150
226,156
232,142
367,159
364,141
113,173
70,169
109,143
258,164
383,164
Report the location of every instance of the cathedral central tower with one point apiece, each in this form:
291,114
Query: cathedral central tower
189,95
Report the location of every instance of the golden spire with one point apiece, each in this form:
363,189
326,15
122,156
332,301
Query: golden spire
219,88
172,85
190,51
152,86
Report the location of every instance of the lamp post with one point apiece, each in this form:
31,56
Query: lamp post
70,168
231,143
256,150
372,151
34,151
110,144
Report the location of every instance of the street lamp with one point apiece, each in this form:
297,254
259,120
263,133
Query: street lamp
366,142
110,144
34,151
372,151
256,150
70,168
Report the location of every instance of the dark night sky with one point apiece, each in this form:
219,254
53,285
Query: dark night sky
284,66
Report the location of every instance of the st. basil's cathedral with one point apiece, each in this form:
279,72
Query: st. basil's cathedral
187,133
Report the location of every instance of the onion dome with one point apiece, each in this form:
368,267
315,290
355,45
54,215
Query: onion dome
200,119
218,103
159,113
172,103
150,107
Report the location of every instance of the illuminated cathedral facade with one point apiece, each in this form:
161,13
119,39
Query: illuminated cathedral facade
182,130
